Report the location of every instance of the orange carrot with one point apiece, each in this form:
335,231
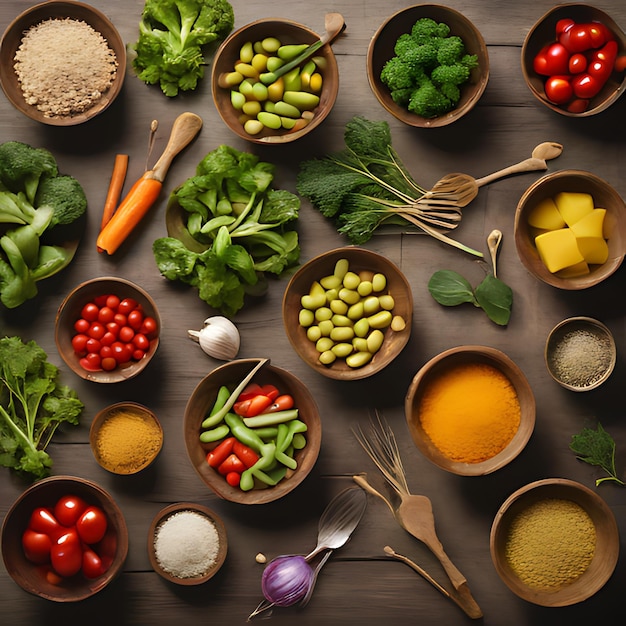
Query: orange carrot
135,205
120,166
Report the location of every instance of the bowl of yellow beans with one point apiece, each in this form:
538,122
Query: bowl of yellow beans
570,229
261,91
347,313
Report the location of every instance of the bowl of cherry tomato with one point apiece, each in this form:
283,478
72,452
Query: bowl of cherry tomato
574,60
252,431
64,539
107,330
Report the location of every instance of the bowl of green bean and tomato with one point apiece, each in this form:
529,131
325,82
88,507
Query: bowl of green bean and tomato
271,442
249,49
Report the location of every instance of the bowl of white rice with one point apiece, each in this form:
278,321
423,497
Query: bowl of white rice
62,63
187,543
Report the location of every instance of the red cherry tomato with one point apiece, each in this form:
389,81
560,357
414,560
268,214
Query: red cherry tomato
96,330
559,89
81,325
100,301
91,362
106,315
68,509
552,59
90,312
249,392
141,341
577,63
43,521
107,339
246,454
66,554
270,391
585,86
121,352
564,24
120,319
36,546
252,407
113,301
79,343
578,105
233,479
93,345
92,525
92,564
232,463
113,328
126,306
282,403
135,319
108,363
126,334
149,326
138,354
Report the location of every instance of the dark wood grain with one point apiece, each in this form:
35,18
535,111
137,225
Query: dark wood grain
359,585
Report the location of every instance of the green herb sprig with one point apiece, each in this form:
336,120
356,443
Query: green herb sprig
597,447
491,295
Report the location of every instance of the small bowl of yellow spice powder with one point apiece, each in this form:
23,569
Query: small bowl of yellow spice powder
125,438
554,542
470,410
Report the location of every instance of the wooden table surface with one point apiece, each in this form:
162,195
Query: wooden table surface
359,585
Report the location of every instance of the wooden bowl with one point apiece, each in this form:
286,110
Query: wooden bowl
381,49
287,32
604,196
466,355
70,309
202,400
220,554
590,327
544,32
54,9
360,259
35,578
145,444
606,549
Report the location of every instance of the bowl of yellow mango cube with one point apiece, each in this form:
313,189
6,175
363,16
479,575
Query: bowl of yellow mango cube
570,229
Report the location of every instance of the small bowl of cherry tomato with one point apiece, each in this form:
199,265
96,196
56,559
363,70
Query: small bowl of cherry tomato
252,431
574,60
107,330
64,539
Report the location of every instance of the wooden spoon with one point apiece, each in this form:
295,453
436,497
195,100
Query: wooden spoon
455,191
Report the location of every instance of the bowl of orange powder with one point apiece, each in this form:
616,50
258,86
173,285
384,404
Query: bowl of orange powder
470,410
125,438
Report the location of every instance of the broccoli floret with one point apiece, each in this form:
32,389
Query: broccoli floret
450,50
22,167
452,92
470,61
428,101
397,74
456,74
172,34
427,28
66,197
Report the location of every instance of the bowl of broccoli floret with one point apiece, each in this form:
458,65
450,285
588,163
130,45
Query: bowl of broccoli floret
428,65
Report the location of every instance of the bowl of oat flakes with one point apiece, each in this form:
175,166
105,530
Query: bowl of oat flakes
61,63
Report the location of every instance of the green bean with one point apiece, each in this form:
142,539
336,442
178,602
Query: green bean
270,419
215,434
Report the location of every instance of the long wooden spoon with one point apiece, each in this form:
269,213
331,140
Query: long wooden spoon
442,205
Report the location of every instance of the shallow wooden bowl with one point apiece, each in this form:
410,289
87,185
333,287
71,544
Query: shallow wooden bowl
604,195
202,400
287,32
381,49
544,32
573,324
222,551
54,9
360,259
121,407
466,355
70,309
607,541
32,578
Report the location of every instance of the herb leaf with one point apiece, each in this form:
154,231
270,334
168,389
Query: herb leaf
495,298
596,447
449,288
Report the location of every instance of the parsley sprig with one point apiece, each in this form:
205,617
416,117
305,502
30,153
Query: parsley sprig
597,447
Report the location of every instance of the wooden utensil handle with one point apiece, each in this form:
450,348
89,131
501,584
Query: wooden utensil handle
527,165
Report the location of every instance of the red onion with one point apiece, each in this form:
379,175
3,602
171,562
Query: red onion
286,580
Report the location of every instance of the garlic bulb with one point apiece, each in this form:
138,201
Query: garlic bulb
219,338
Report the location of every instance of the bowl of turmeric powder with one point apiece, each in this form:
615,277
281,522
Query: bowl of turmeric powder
470,410
554,542
125,438
62,62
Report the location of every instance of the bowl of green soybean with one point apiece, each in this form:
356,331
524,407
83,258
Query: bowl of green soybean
259,109
348,312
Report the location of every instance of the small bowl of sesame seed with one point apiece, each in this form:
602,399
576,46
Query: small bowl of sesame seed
580,353
187,543
61,63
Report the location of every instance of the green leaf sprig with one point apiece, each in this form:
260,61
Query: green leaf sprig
597,447
491,295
